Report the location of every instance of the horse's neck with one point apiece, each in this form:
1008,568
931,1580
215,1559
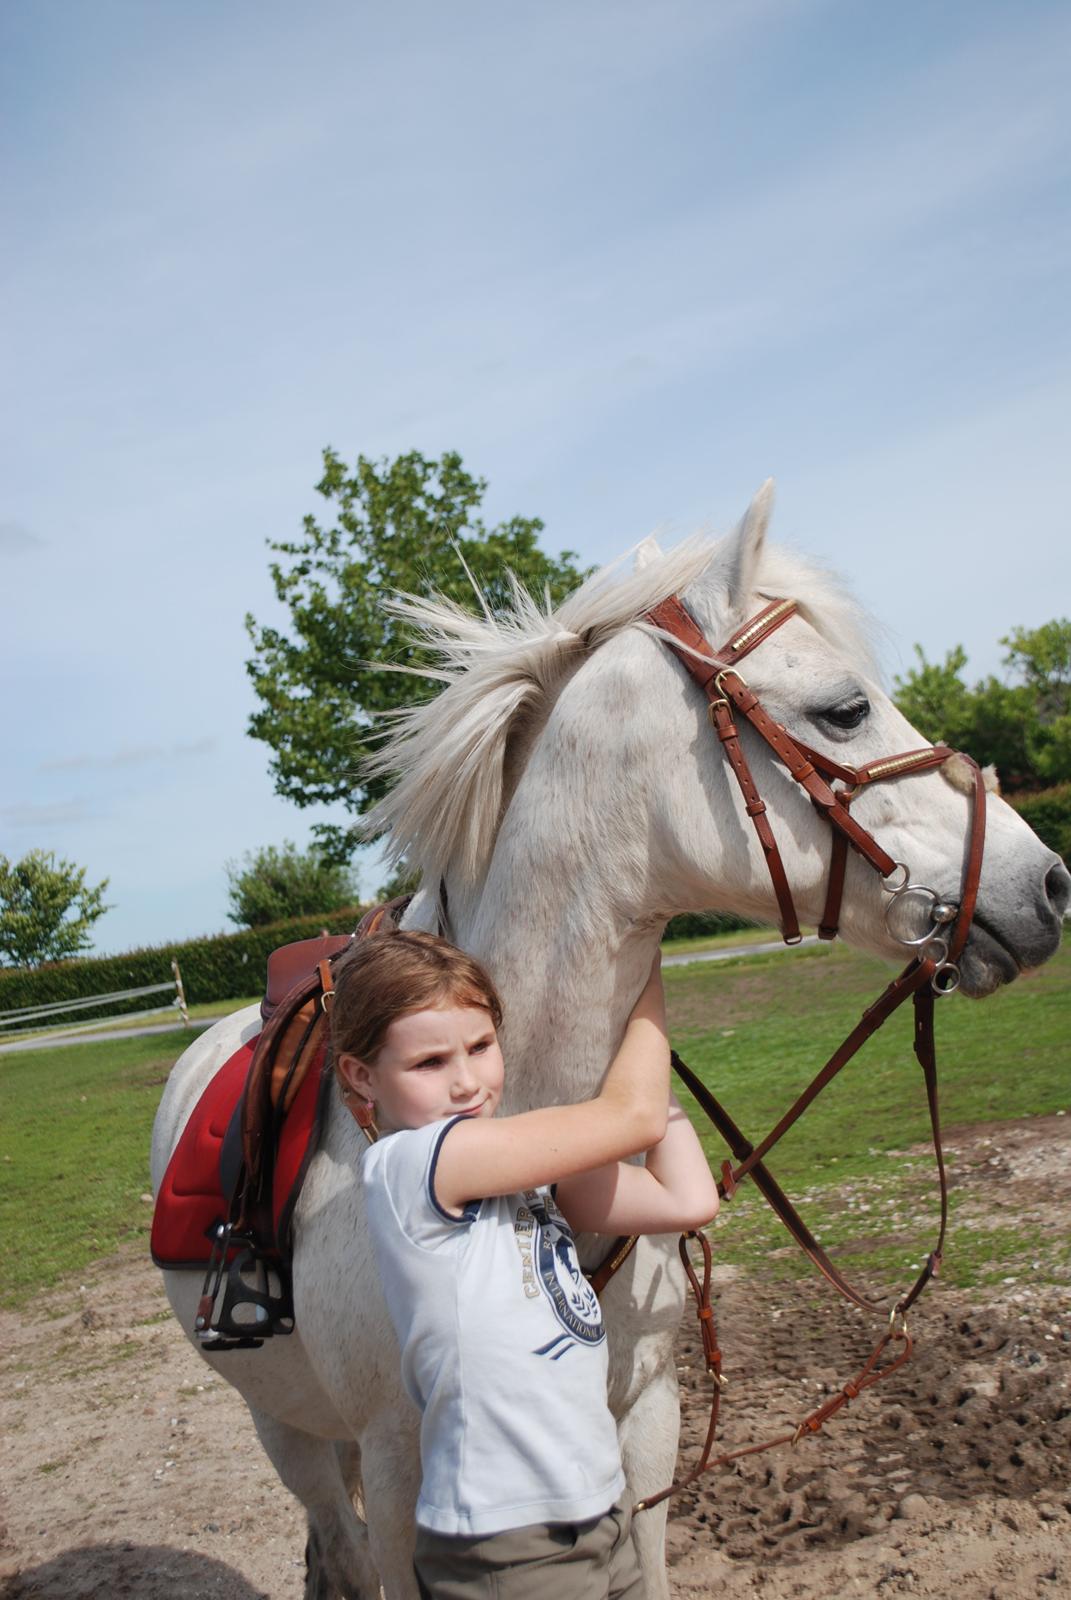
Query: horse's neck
566,989
568,961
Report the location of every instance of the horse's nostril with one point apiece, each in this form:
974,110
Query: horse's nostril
1058,888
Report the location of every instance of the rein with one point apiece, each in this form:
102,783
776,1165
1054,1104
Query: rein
932,971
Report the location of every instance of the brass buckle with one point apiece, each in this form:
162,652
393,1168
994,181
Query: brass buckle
719,697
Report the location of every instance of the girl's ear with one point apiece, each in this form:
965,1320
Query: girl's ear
355,1075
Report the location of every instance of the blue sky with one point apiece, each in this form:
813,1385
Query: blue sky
629,259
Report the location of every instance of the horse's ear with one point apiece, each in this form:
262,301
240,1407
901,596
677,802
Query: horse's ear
646,551
744,552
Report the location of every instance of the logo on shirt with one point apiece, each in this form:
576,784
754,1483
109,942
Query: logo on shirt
550,1265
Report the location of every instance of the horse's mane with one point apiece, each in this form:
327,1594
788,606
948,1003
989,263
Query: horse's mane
447,756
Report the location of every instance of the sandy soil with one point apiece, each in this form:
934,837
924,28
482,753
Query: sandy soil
129,1471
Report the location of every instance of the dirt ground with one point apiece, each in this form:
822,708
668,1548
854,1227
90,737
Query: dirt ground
128,1470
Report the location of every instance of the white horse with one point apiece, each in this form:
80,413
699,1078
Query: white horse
567,789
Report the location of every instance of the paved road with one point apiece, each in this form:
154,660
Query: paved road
109,1033
686,959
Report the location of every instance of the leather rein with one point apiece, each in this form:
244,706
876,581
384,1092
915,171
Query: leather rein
932,970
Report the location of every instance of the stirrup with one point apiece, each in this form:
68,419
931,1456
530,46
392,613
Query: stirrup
243,1301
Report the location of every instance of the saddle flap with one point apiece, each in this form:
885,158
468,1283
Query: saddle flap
288,965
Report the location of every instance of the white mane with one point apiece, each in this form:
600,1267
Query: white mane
447,756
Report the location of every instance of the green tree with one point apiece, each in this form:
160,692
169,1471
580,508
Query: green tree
273,883
410,524
403,880
1022,726
1042,658
934,697
46,909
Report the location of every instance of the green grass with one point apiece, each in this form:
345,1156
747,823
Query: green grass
222,1008
757,1031
76,1119
74,1155
208,1009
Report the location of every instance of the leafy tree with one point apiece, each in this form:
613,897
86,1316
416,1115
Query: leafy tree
1024,727
274,883
403,880
46,909
1042,657
934,697
410,524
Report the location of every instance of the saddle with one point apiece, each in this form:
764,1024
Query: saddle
228,1196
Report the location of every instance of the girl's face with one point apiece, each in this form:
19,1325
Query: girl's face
442,1062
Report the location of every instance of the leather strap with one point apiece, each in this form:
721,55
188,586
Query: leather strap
721,718
724,688
829,926
870,1374
914,980
973,871
714,672
614,1258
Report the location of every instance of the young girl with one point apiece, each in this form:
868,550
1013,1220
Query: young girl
472,1218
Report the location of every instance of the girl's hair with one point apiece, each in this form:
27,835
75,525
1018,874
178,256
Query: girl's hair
389,974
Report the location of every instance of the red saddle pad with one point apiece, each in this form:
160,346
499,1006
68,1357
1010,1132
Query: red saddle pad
191,1202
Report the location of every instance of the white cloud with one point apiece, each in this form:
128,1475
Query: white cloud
16,539
627,259
50,815
130,756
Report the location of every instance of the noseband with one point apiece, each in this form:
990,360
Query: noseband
932,970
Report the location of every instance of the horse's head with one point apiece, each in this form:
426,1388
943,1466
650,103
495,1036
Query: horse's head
570,760
815,676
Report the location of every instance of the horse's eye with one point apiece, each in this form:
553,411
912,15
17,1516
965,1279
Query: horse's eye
848,715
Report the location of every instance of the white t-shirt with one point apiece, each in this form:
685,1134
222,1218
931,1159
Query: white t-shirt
503,1348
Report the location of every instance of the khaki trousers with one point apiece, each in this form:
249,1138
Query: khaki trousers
547,1561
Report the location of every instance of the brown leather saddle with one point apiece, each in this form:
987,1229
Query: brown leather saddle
246,1296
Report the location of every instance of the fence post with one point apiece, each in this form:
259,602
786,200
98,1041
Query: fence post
180,991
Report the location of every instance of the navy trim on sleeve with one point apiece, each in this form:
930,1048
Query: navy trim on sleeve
472,1207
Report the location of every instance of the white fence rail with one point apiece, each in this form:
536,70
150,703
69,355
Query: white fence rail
27,1020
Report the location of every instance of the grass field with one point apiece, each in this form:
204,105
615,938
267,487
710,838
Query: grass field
76,1119
758,1029
211,1010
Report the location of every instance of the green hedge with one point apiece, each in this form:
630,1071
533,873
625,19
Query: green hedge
702,924
225,967
1049,814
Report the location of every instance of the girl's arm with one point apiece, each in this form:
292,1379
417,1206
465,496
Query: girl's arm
504,1155
674,1192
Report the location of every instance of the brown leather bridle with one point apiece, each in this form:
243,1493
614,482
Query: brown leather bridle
727,691
932,970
